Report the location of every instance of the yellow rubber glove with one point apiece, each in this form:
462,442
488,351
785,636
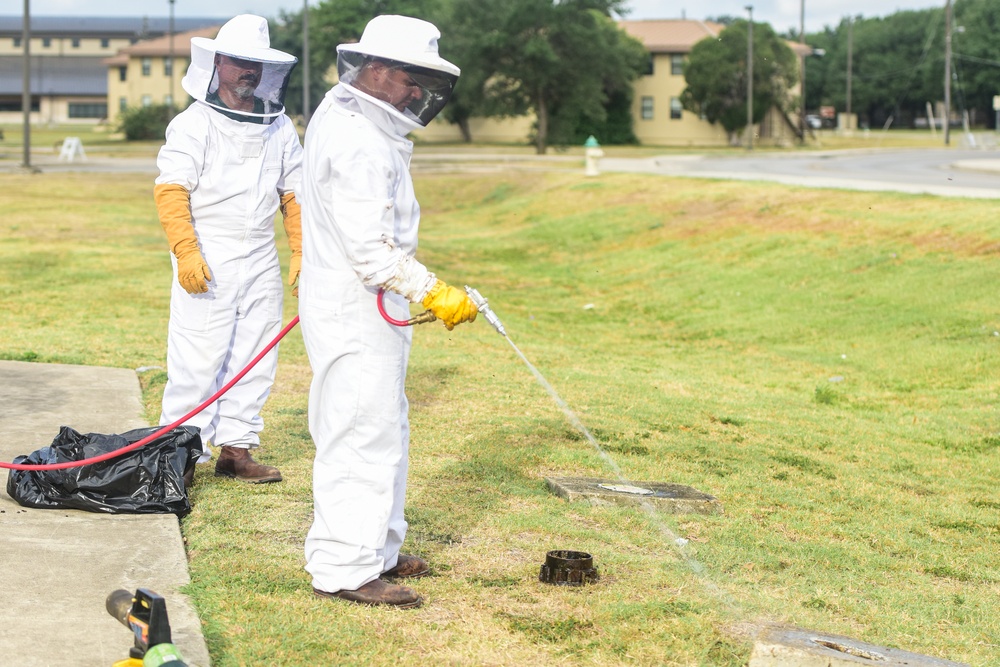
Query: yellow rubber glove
292,214
450,304
173,204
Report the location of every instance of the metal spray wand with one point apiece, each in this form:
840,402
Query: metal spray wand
484,308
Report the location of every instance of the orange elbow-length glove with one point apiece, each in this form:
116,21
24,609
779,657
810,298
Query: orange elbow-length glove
173,205
292,214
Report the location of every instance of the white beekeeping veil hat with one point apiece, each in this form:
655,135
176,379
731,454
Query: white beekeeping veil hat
409,45
246,40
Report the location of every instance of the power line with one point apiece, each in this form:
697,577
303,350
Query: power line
879,76
975,59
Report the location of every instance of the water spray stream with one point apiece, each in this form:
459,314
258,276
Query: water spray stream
679,544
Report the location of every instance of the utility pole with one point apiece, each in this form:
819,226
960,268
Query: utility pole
26,83
749,132
947,72
802,68
850,62
173,61
305,62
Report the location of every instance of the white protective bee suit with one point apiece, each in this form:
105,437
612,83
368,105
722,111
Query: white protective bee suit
360,223
234,167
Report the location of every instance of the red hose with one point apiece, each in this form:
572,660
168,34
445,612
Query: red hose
385,315
150,438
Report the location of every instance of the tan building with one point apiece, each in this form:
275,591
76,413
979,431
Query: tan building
658,118
68,81
146,73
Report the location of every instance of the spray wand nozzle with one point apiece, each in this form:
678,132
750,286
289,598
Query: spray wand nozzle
484,307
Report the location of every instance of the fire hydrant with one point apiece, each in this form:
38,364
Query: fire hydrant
592,153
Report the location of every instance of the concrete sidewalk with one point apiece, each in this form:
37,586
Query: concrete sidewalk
62,564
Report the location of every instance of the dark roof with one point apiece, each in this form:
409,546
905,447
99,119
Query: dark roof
100,26
55,75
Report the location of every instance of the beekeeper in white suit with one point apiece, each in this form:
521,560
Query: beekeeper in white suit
230,161
360,219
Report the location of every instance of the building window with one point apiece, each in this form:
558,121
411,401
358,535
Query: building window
147,100
15,105
676,108
648,71
168,66
647,108
677,64
88,110
17,42
122,103
75,42
105,43
46,42
168,100
147,66
123,73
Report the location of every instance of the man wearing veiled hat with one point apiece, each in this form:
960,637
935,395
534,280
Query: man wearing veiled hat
360,224
230,161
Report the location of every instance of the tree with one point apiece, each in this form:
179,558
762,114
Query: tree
716,76
893,72
723,19
975,56
898,63
463,26
562,59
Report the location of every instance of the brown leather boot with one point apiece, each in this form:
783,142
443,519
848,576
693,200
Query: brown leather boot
237,463
408,567
378,592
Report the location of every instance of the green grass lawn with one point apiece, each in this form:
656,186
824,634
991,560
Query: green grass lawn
823,362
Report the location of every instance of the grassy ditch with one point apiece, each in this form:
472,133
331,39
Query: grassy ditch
823,362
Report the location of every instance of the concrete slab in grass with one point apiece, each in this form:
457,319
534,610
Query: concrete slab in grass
669,498
794,647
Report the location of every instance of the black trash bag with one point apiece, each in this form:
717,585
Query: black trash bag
147,480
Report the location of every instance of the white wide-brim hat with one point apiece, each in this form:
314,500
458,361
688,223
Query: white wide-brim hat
404,39
244,36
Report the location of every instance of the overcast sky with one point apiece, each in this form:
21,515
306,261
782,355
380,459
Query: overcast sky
781,14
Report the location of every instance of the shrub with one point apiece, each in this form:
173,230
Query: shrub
143,123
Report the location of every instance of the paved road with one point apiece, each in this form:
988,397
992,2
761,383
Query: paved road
954,173
944,172
97,164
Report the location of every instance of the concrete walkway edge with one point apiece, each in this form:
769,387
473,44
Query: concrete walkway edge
62,564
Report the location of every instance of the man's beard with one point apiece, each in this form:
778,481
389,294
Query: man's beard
245,89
